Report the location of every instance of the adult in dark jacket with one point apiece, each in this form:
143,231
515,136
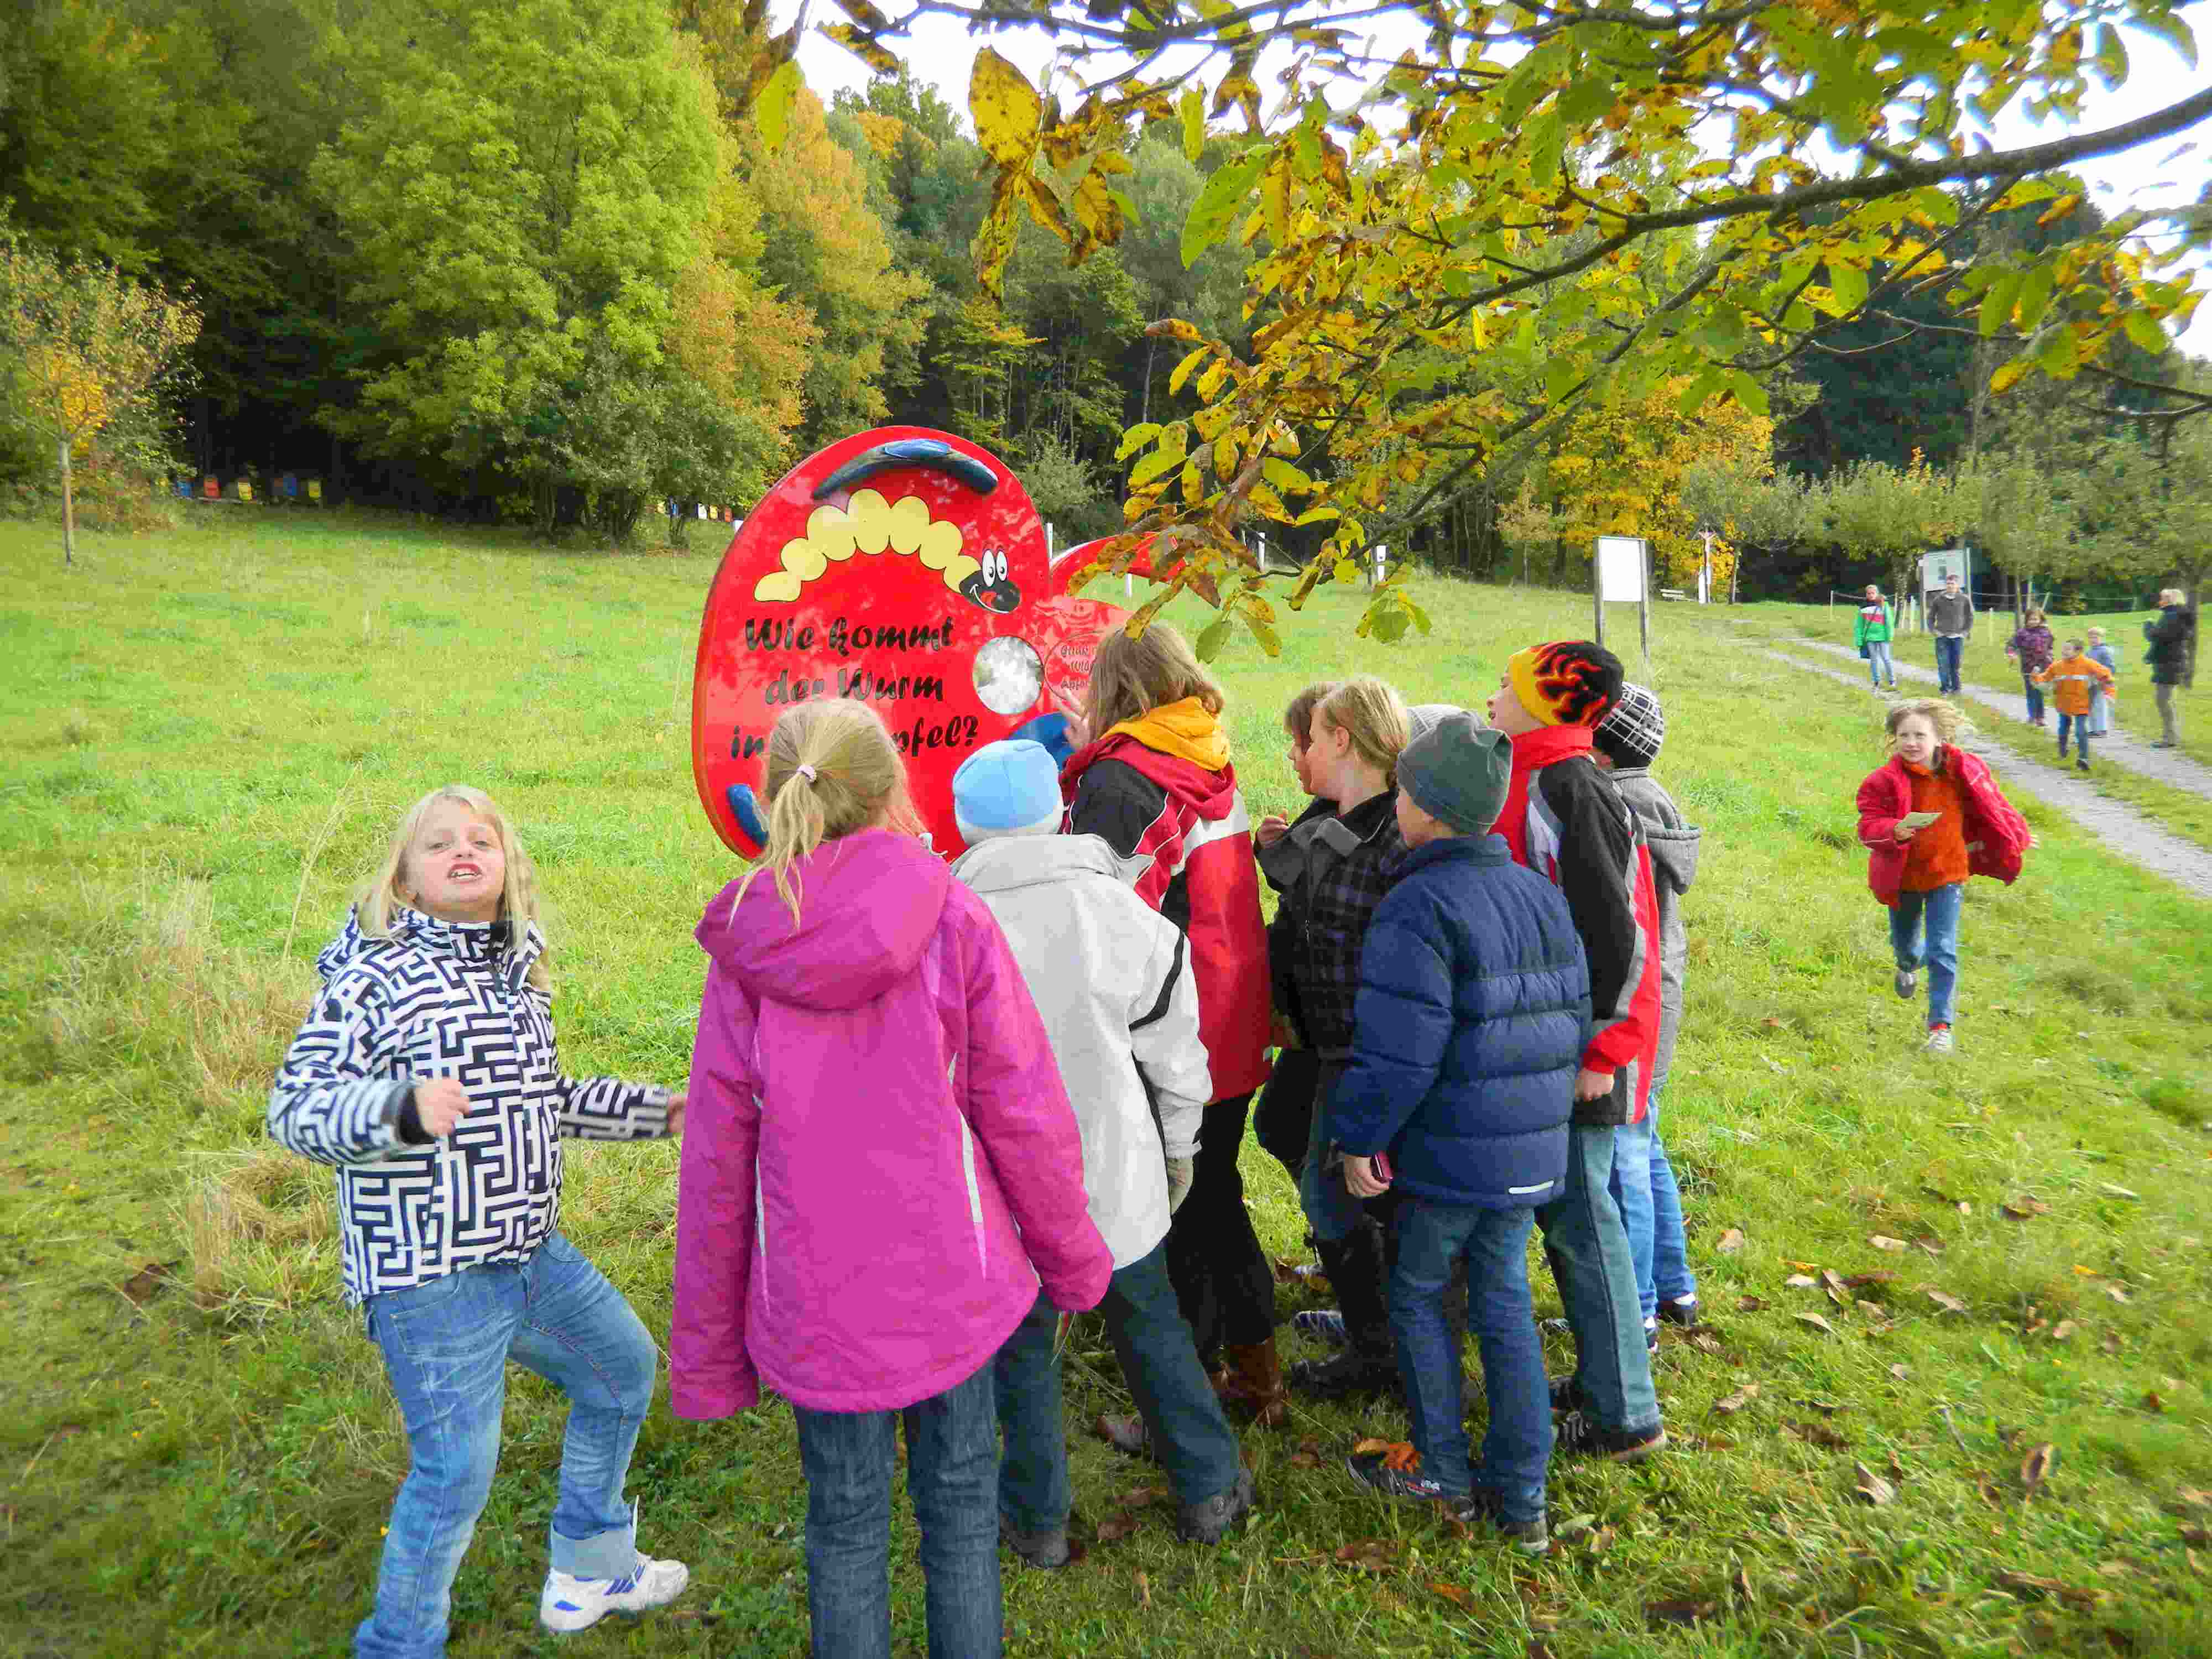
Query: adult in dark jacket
2168,657
1473,1009
1155,781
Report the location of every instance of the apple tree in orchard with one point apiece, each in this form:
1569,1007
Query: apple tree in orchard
1465,221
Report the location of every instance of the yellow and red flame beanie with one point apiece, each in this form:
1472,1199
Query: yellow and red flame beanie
1566,682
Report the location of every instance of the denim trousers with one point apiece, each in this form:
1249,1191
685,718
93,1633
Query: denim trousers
1935,913
1651,1211
1588,1248
1880,667
2034,696
1194,1440
1331,1210
1517,1441
1950,651
1223,1282
951,1474
446,1346
2079,726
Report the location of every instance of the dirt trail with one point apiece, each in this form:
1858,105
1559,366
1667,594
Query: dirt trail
2119,825
2166,766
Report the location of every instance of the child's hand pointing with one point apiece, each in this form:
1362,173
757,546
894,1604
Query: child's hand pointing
439,1104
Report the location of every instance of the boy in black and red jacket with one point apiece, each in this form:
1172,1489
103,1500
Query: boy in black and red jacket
1565,819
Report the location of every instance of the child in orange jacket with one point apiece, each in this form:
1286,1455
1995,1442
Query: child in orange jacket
2076,681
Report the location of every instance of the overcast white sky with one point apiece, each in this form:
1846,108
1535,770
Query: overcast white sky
943,54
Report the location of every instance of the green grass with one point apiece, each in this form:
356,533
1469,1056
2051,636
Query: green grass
210,729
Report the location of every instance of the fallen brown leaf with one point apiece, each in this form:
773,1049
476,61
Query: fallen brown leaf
1363,1447
1943,1300
1141,1497
1740,1581
1601,1540
2117,1292
1749,1304
2152,1402
1539,1650
2195,1498
146,1283
1860,1281
1370,1554
1303,1459
2196,1538
1703,1341
1832,1280
2036,1467
1873,1309
1816,1322
1730,1241
1884,1241
1735,1402
1903,1374
1930,1243
1871,1488
1458,1595
1800,1281
2080,1597
2063,1329
1115,1527
1682,1612
2114,1342
1143,1591
1819,1434
2024,1209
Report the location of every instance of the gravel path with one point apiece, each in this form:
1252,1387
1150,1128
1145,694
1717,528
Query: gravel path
2116,823
2166,766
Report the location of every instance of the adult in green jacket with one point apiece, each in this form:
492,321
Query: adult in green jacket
1871,633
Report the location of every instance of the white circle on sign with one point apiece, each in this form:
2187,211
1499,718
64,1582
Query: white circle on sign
1008,675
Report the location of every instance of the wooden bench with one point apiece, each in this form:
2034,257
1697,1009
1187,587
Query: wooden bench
1672,593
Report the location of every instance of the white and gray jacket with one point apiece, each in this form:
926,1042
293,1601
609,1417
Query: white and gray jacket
1111,978
1674,842
441,1000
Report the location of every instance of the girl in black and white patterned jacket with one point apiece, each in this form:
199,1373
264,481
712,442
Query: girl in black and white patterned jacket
426,1071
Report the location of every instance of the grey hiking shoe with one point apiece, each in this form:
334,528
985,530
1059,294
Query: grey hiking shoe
1939,1041
1483,1507
1209,1522
1580,1435
1907,981
1047,1549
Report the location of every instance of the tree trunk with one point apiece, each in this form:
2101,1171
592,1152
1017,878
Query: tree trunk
69,509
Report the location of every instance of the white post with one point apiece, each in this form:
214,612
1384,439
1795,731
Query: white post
1705,573
1047,540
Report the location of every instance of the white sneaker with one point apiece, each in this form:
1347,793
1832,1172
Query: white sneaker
573,1604
1939,1040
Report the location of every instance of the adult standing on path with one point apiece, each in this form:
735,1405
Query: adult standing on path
2168,634
1872,632
2029,649
1950,615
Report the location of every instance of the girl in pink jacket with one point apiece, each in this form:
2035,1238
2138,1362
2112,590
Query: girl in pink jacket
881,1167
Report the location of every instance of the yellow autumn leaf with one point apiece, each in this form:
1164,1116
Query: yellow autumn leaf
1005,108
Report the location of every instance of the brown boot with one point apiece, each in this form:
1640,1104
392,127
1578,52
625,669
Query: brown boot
1254,1382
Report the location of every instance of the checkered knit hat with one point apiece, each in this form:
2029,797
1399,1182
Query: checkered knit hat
1630,735
1566,682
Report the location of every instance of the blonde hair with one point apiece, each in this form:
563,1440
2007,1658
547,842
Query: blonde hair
1373,715
1937,712
854,774
2172,596
518,905
1297,717
1128,677
2035,617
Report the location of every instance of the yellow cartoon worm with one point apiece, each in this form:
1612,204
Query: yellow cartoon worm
871,525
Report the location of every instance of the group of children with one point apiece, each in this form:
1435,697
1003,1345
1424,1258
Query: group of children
934,1109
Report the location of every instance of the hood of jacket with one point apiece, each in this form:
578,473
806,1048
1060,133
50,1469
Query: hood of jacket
1006,862
1179,746
1674,844
869,903
464,941
1185,729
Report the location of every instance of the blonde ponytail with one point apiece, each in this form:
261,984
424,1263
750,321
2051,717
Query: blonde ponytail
832,769
1373,715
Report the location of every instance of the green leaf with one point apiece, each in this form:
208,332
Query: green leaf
1849,285
1996,303
1694,394
2112,55
1346,572
772,109
2174,29
1183,368
1281,474
1152,465
1138,435
2034,299
1212,638
1390,626
2142,328
1191,108
1225,197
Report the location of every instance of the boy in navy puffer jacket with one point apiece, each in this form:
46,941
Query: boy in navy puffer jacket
1472,1010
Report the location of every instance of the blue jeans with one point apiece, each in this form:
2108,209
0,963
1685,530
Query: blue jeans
1194,1440
1950,650
951,1474
2034,696
1651,1211
1331,1210
1589,1256
1879,665
1938,909
1517,1443
2079,726
445,1345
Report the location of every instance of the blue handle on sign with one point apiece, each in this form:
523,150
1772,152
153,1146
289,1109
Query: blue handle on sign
745,808
931,452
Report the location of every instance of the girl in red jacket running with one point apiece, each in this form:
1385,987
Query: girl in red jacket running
1929,819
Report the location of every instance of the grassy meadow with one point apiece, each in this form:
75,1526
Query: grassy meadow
209,735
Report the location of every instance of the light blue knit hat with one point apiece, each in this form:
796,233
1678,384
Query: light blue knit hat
1006,788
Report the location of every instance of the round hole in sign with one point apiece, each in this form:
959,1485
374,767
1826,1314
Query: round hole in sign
1008,675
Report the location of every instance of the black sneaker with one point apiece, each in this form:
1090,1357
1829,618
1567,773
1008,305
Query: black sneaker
1565,1396
1047,1549
1327,1324
1349,1373
2081,765
1579,1435
1396,1472
1680,1310
1483,1507
1209,1522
